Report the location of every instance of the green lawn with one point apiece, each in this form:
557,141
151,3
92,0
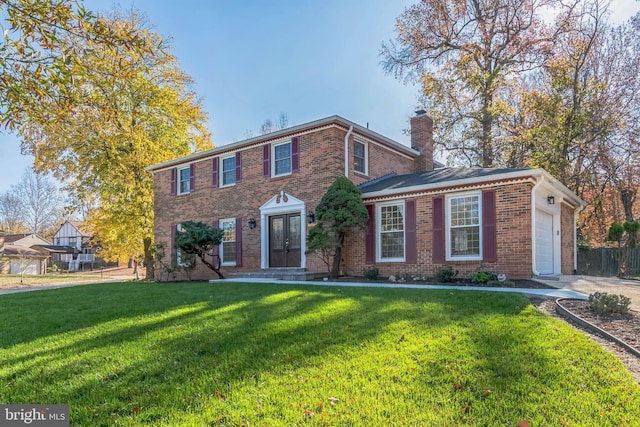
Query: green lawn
255,354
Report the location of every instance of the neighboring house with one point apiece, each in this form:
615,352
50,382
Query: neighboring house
71,234
261,192
18,256
27,239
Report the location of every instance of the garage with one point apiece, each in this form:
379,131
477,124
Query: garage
32,267
544,242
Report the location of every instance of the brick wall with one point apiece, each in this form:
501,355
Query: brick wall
513,232
567,243
321,162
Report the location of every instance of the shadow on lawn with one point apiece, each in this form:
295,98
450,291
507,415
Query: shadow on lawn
193,342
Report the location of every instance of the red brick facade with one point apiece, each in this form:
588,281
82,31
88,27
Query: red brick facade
321,159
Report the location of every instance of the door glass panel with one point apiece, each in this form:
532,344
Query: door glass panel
277,233
294,232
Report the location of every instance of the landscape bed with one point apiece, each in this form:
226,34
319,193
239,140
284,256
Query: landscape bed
265,354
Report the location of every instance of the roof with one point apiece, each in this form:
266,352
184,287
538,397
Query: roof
10,238
452,177
436,176
56,249
18,251
291,131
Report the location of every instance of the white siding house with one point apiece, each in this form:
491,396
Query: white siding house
70,234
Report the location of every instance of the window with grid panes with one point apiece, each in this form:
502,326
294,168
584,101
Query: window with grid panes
282,159
391,232
359,157
228,244
463,237
229,171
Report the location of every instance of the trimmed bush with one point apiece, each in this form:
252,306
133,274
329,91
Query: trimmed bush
603,303
484,276
499,284
372,273
445,274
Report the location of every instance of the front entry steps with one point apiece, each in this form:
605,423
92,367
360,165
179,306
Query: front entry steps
299,274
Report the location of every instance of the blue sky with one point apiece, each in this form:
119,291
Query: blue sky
253,60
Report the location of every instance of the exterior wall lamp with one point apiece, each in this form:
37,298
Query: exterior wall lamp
252,223
311,217
551,200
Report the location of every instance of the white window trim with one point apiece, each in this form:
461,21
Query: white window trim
447,220
179,251
221,251
379,228
366,157
178,186
273,158
221,173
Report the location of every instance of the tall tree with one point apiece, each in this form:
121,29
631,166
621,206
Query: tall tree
37,201
137,110
466,54
10,214
36,63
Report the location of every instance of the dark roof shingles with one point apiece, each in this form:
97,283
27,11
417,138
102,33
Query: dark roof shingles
435,176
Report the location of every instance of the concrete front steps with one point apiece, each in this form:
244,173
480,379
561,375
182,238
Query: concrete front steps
298,274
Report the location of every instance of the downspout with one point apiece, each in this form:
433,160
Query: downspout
575,238
346,151
533,226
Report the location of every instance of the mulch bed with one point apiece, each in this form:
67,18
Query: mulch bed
528,284
623,326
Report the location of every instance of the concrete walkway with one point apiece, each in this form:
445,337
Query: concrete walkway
578,287
590,284
542,293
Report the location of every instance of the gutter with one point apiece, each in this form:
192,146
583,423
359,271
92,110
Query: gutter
346,151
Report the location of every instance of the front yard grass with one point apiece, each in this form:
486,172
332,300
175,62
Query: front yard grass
258,354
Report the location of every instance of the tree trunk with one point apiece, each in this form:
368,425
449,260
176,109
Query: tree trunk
148,260
210,265
337,258
486,138
628,197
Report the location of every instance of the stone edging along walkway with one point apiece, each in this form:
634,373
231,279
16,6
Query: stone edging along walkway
591,327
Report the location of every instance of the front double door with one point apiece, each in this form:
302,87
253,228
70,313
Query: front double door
284,240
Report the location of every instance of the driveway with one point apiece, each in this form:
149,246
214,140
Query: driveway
590,284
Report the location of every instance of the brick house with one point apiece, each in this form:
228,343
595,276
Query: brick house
261,191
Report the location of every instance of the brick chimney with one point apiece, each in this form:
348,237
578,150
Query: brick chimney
422,140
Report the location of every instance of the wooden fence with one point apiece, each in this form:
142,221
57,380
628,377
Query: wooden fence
605,262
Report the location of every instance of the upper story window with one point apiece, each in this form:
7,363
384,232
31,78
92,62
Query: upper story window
464,231
391,236
184,180
72,241
282,159
228,244
228,171
360,157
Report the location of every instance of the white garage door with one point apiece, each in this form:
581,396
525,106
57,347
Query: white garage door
544,242
32,268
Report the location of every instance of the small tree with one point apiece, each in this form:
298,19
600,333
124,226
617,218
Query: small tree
199,239
626,235
340,210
